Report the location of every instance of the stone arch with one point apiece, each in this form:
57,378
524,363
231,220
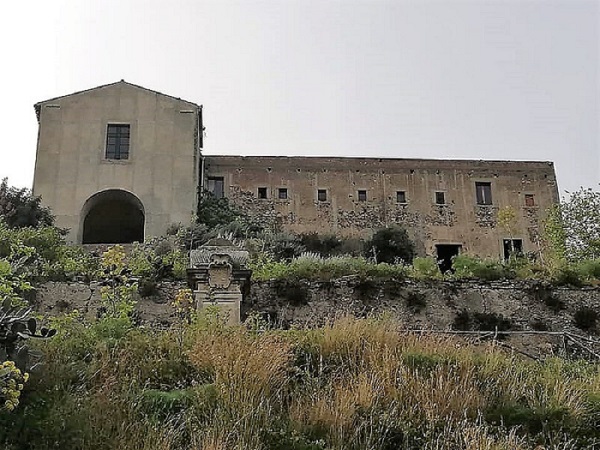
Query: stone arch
113,216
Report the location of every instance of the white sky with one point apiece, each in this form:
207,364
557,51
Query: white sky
512,79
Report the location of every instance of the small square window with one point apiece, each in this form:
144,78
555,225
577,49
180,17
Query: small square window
262,192
322,195
362,196
216,186
483,191
529,200
440,198
117,141
401,196
282,193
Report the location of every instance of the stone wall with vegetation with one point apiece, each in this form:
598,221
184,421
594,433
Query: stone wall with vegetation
437,305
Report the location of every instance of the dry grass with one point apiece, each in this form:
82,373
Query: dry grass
353,384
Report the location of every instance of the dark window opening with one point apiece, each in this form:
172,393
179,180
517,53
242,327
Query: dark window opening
322,195
445,255
529,200
216,186
440,198
262,192
483,191
117,141
362,196
283,193
400,196
512,248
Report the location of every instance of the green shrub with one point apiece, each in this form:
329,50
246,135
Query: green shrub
390,245
284,246
19,208
469,267
567,276
325,245
589,269
425,269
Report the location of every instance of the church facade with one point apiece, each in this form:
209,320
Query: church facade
118,163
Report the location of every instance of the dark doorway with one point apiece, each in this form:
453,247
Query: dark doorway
445,253
113,217
512,248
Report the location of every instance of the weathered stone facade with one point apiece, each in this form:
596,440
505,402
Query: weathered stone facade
119,163
343,210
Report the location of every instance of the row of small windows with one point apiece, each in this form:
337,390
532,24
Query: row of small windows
483,193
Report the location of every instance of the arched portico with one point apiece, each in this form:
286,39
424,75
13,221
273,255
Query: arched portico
113,216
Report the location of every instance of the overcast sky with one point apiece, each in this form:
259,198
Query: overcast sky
478,79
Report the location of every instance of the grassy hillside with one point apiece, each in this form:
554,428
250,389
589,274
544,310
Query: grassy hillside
355,384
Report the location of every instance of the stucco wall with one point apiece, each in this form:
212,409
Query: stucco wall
460,221
162,169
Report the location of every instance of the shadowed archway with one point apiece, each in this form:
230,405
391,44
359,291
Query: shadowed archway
113,216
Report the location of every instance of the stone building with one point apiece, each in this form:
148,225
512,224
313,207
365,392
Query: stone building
120,162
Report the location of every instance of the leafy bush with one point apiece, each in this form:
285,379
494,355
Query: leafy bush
284,246
324,245
20,208
589,269
425,269
214,212
470,267
390,245
566,276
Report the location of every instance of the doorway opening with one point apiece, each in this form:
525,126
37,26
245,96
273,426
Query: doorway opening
113,217
445,253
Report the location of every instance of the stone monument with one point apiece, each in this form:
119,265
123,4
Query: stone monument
219,276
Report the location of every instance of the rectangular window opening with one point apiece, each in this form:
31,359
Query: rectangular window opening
445,256
322,195
512,248
282,193
440,198
216,186
262,192
483,191
117,141
362,196
529,200
401,196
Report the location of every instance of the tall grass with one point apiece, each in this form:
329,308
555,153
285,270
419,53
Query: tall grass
352,384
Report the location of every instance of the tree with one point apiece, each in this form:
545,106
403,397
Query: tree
581,221
20,208
391,245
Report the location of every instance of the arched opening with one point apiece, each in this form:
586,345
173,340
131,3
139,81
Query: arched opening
112,217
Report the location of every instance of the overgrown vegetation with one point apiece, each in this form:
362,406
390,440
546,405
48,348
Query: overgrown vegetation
20,208
353,384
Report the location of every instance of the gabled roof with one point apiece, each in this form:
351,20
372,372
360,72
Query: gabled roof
38,105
